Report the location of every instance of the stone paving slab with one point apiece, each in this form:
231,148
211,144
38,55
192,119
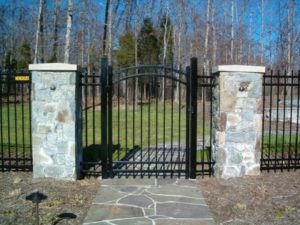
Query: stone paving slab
149,201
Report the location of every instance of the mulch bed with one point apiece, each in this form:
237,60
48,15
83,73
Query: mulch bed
71,197
271,198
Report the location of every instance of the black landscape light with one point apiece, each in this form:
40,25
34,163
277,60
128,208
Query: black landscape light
66,216
37,198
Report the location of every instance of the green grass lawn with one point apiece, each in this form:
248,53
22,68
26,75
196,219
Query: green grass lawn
140,131
11,130
138,127
273,145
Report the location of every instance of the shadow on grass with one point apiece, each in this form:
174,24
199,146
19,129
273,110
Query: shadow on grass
93,156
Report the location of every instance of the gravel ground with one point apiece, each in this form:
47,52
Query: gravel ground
271,198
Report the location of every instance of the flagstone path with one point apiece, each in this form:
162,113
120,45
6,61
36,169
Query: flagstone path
149,201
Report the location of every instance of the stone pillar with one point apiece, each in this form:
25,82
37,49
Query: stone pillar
56,121
237,120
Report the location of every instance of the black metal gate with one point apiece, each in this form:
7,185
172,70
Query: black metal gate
149,121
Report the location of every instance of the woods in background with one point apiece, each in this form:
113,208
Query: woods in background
132,32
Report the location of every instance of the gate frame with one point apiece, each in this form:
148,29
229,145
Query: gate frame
191,117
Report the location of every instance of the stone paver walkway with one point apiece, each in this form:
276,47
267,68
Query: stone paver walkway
149,201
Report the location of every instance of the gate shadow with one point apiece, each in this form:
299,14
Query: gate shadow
126,158
93,156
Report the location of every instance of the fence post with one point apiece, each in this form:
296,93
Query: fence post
110,113
193,100
56,121
188,95
237,120
104,147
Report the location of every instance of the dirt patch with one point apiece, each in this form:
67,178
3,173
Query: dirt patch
72,197
271,198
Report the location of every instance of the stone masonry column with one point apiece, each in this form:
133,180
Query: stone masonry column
56,121
237,120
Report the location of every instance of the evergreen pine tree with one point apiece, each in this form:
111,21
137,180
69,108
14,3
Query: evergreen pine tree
125,54
25,56
148,44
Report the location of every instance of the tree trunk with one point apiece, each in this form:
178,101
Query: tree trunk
109,44
38,53
105,27
241,34
55,35
178,61
232,31
206,63
165,48
250,34
214,51
262,34
68,33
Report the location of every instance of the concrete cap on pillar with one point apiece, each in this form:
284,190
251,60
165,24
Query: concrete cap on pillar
53,67
239,68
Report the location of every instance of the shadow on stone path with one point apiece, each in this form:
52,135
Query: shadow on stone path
149,201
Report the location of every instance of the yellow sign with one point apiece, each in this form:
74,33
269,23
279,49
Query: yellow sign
21,78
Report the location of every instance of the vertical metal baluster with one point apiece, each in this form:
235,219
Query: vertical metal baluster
104,73
94,120
126,122
283,124
193,117
8,117
179,125
82,119
30,128
16,126
270,120
133,123
297,160
156,125
110,125
149,102
1,124
164,125
23,127
119,141
291,119
187,151
172,124
277,115
141,129
263,117
203,85
86,108
211,78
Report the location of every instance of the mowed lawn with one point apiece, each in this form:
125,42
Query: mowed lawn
15,126
137,126
142,126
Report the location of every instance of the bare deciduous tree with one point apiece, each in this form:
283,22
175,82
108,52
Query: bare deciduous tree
68,33
39,37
